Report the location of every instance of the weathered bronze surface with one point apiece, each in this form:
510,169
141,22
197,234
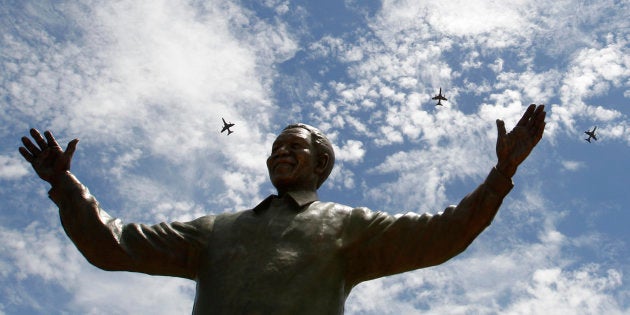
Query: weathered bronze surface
291,254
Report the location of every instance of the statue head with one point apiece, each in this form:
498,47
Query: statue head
301,158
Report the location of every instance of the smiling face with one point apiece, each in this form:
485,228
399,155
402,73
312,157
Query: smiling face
293,163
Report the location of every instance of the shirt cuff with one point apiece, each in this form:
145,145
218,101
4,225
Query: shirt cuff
498,183
63,185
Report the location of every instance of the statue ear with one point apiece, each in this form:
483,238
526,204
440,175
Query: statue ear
322,163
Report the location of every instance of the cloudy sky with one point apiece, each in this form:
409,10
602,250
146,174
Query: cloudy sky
144,84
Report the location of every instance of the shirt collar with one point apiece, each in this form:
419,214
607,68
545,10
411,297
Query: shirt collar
301,198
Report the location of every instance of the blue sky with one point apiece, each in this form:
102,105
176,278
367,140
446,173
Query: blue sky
144,84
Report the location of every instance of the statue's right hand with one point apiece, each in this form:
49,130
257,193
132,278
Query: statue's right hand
47,158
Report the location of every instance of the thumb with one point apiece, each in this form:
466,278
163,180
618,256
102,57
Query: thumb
72,146
501,128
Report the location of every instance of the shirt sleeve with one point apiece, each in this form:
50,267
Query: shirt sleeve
378,244
170,249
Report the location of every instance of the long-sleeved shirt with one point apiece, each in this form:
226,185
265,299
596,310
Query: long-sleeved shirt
288,255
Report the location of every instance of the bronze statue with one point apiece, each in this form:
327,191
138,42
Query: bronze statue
291,254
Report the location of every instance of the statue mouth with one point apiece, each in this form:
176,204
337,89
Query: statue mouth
283,166
283,162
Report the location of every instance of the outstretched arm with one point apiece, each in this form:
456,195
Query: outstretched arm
163,249
381,244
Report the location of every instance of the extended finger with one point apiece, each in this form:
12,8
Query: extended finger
527,115
501,129
538,121
51,140
541,129
38,139
26,154
540,115
34,150
534,120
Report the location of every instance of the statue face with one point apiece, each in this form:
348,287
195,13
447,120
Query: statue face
292,161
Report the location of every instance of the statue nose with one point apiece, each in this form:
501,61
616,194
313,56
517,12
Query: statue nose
282,150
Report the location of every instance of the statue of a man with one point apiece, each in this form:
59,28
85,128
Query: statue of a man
291,254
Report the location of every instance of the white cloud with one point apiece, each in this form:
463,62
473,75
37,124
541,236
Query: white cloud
583,291
37,251
536,87
572,166
341,178
145,88
422,175
495,25
160,73
39,254
593,72
95,291
125,161
12,168
352,151
497,66
407,50
467,288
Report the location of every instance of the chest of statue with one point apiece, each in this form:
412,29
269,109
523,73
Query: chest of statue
275,242
267,258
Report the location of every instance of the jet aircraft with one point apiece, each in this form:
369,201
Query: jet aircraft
591,134
226,126
439,98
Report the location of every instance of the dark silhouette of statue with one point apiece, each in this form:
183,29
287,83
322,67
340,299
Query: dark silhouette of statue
291,254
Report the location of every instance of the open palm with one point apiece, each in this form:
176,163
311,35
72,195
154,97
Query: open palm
515,146
47,157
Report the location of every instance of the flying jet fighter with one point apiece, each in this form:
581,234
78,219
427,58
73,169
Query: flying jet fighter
591,135
439,98
226,126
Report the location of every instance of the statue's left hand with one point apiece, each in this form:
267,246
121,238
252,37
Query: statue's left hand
47,158
515,146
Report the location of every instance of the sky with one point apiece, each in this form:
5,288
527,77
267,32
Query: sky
144,85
